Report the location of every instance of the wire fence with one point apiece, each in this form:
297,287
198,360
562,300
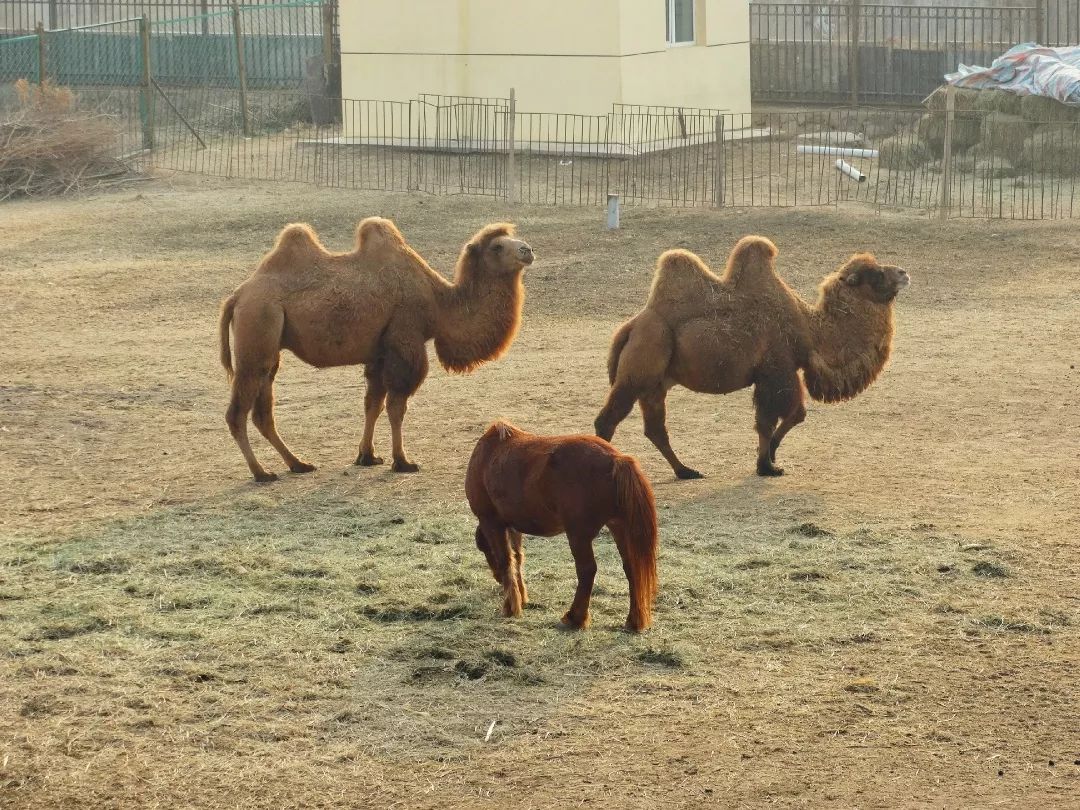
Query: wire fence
235,103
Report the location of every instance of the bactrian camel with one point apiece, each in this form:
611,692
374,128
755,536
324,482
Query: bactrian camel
718,334
377,305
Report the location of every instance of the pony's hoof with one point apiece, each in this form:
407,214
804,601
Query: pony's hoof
570,623
630,627
302,467
405,467
686,474
368,460
768,470
265,477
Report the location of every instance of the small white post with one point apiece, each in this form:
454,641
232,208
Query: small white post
612,211
511,147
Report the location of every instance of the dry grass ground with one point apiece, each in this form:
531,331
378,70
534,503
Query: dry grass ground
894,623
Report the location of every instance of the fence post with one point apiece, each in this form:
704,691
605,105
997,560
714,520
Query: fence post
511,151
241,70
146,97
719,179
39,29
1042,36
54,17
204,10
854,22
946,159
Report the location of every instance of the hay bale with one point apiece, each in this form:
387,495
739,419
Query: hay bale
966,99
966,125
999,101
1004,134
1053,149
1042,110
903,151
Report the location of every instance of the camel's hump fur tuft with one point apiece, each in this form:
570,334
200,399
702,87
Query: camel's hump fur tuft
374,232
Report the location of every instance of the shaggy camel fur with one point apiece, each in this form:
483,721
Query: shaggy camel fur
544,485
716,335
377,306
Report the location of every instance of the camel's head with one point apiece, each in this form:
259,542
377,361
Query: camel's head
496,251
879,283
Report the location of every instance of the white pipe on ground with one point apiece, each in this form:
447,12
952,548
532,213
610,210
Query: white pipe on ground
836,151
850,171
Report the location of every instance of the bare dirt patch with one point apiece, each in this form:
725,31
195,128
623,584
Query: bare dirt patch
893,623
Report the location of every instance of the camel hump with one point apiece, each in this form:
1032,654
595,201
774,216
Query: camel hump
679,274
375,232
295,243
752,256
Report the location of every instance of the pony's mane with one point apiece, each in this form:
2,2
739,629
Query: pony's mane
502,429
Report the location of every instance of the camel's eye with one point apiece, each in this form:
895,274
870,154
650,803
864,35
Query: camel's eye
497,248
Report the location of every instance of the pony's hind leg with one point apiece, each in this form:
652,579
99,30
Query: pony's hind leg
374,401
636,620
519,559
581,546
503,562
245,390
654,414
263,417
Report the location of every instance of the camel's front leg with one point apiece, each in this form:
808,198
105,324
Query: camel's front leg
777,396
405,368
374,400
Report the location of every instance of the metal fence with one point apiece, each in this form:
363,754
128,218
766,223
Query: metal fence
853,52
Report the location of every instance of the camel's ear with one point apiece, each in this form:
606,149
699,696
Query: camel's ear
473,249
854,277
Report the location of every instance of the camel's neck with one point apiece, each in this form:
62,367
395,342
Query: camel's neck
851,341
477,320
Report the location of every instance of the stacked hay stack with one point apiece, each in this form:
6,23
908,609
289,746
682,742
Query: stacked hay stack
995,133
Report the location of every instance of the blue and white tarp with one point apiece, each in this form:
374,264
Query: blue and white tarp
1027,70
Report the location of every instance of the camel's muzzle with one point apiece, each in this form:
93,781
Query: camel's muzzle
526,254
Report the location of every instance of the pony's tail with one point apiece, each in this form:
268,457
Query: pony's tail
618,343
227,307
638,543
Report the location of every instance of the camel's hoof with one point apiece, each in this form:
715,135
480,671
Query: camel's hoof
768,469
405,467
302,467
368,460
570,623
686,474
265,477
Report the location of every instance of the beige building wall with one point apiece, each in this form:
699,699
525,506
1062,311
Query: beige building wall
567,56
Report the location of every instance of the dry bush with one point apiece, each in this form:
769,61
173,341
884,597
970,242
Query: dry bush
49,146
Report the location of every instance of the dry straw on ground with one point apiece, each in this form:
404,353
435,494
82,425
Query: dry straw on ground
48,146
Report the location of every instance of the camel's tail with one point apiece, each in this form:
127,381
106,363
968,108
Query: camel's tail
638,545
227,307
618,343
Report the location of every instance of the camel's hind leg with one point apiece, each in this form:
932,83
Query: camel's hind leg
374,401
776,396
654,413
245,390
581,546
263,417
619,403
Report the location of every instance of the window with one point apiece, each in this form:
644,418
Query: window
680,22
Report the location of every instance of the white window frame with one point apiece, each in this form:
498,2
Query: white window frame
669,8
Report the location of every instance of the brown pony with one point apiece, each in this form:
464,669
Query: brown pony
543,485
